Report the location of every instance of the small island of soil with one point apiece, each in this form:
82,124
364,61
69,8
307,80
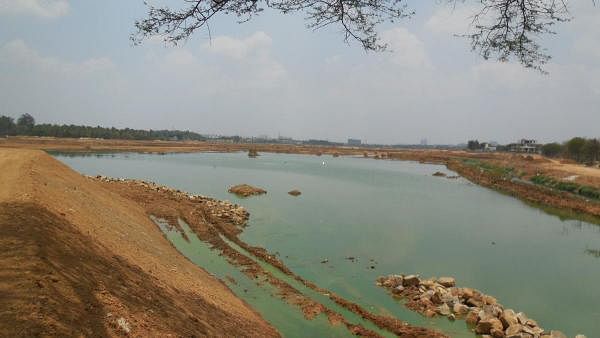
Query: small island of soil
245,190
295,192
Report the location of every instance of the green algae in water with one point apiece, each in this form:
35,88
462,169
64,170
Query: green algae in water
288,319
397,214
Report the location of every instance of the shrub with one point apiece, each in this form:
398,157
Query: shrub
567,186
589,192
541,179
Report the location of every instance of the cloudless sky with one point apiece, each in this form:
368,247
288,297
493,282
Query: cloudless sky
72,62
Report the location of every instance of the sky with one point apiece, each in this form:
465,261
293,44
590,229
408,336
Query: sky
72,62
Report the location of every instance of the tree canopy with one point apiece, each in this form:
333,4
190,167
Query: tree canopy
502,29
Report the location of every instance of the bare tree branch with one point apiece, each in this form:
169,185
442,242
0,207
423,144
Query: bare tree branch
503,29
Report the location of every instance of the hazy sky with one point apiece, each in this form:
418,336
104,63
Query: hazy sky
72,62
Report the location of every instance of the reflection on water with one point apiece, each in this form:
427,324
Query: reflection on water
402,217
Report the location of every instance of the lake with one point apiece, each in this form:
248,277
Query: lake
394,217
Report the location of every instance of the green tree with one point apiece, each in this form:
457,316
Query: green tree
473,145
552,149
591,150
25,124
574,148
7,126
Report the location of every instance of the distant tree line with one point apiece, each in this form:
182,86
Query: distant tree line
25,125
584,150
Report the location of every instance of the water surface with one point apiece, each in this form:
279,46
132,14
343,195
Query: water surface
394,217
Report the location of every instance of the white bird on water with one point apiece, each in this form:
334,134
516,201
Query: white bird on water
323,163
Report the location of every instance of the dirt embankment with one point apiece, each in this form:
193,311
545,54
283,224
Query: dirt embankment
528,166
78,259
212,220
527,192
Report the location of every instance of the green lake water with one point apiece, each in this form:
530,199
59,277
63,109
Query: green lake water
394,217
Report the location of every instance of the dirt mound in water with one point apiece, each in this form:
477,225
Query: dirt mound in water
79,260
245,190
295,192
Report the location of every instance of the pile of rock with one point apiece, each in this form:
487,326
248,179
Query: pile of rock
226,210
440,296
220,209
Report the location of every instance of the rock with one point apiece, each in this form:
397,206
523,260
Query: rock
508,318
428,283
472,317
486,313
497,333
123,325
245,190
460,309
495,310
429,313
474,302
580,336
444,310
447,281
513,330
488,299
531,323
467,293
398,289
436,298
522,318
557,334
451,316
486,326
410,280
449,298
295,192
439,174
537,331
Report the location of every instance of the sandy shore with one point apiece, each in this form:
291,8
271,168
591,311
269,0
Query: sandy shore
80,260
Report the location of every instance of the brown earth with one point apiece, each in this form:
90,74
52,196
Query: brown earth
245,190
80,260
528,166
212,220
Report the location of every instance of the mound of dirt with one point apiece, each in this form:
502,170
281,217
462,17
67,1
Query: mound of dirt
295,192
245,190
80,260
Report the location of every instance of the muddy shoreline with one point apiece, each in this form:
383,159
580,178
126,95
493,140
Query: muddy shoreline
80,260
210,219
526,166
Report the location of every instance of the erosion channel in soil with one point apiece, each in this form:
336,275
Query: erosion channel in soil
218,223
366,218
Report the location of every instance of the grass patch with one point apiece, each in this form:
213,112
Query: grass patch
572,187
494,170
589,192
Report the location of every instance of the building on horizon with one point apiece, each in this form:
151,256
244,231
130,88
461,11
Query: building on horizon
354,142
424,142
525,146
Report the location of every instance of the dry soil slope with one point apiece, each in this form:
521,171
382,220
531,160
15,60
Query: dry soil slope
77,259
